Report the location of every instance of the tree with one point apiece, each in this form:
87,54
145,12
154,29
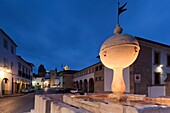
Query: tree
41,70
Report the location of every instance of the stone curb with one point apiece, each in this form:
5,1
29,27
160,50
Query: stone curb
14,95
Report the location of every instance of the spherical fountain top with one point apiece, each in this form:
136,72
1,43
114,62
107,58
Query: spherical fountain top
119,39
120,50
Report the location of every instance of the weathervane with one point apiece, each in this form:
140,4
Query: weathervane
120,10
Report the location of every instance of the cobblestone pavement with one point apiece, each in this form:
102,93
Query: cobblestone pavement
19,104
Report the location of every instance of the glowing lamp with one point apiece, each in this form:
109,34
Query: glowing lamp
1,73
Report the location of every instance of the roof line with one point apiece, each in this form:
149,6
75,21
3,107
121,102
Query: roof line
90,66
8,37
150,41
28,63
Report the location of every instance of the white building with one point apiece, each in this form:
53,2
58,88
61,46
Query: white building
9,77
8,61
49,80
24,77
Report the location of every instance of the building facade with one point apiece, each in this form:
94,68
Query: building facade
9,74
50,80
66,78
8,61
145,76
24,77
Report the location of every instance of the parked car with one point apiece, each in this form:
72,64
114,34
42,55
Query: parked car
60,90
74,91
68,90
71,90
26,90
32,89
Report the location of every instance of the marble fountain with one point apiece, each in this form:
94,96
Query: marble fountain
117,52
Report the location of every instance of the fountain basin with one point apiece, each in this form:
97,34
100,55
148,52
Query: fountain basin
101,103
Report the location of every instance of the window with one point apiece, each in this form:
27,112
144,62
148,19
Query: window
5,44
5,62
23,71
26,71
100,78
12,49
157,58
12,65
19,66
86,71
157,78
96,79
96,69
100,67
92,69
168,60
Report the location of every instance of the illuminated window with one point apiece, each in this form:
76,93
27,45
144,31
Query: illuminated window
157,58
5,44
168,60
157,78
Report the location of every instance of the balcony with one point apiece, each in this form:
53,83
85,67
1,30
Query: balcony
20,73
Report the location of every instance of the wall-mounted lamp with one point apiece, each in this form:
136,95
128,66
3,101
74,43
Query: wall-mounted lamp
2,73
161,65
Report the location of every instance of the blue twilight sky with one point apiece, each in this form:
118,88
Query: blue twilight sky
59,32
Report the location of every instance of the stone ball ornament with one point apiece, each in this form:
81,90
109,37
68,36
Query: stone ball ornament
118,52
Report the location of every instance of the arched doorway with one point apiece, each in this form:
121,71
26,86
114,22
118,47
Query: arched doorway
85,85
91,85
81,85
5,88
18,86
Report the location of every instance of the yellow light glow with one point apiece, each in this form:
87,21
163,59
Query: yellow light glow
72,96
1,73
8,70
33,82
161,65
46,82
45,89
159,70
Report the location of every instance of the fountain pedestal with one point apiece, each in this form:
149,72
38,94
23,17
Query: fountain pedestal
118,52
118,85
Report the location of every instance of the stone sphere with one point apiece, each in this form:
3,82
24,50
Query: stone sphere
119,51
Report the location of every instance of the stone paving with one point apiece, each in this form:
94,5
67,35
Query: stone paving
17,104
